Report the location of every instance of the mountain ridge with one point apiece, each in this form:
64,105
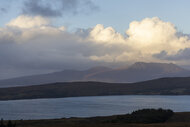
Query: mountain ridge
142,71
137,72
162,86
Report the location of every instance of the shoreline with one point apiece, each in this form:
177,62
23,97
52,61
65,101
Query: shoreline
92,96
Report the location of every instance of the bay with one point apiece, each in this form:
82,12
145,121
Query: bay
88,106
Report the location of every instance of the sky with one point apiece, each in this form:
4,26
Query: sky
42,36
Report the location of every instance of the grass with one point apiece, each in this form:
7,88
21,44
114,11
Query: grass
177,120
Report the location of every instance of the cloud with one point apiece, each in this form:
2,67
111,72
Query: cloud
152,35
37,47
181,55
143,40
30,44
57,8
3,10
35,7
105,35
78,6
28,22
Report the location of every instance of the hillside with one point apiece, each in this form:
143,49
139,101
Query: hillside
141,71
135,73
62,76
181,119
163,86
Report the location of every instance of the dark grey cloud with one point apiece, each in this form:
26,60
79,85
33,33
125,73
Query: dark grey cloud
7,5
161,55
83,32
70,5
181,34
3,10
180,55
35,7
44,53
78,6
58,7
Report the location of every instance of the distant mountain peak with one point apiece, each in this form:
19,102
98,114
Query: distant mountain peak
99,68
139,71
152,63
165,67
96,70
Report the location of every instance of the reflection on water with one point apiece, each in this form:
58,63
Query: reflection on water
88,106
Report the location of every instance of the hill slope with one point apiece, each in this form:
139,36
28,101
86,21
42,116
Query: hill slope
177,120
141,71
62,76
164,86
137,72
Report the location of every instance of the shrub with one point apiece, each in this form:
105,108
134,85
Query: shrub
9,124
146,116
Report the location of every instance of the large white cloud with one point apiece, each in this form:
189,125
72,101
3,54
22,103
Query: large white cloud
33,45
152,35
144,39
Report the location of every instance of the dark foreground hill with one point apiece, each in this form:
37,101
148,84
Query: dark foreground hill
144,119
163,86
137,72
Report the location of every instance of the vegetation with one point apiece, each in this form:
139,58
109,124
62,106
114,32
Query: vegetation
146,116
164,86
8,124
140,118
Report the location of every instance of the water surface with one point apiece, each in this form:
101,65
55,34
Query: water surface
88,106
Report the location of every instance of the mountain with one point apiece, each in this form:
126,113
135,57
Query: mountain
137,72
62,76
163,86
140,71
